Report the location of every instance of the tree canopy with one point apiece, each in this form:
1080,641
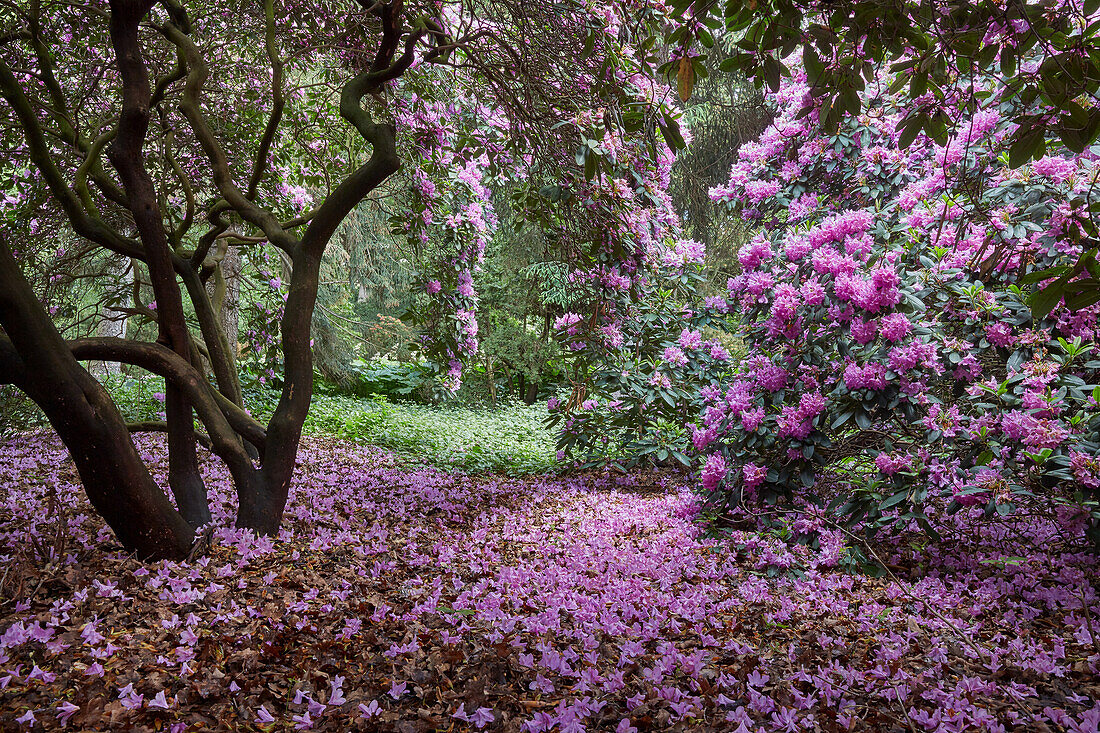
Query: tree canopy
170,132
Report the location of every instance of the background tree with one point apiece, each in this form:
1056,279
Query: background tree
723,111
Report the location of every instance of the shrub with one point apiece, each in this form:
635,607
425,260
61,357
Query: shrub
396,380
888,317
646,371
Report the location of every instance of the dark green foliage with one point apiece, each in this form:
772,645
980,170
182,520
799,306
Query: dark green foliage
394,380
843,44
18,413
526,358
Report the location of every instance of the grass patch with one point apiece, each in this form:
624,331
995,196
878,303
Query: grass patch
509,439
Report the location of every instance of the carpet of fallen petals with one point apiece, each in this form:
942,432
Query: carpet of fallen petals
403,598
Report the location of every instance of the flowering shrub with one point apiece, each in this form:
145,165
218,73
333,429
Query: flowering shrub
648,369
450,203
894,351
594,184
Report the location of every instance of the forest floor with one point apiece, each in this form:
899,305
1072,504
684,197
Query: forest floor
404,598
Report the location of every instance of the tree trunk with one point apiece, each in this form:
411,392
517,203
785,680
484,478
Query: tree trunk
224,290
492,380
184,477
230,312
80,410
126,153
120,273
259,508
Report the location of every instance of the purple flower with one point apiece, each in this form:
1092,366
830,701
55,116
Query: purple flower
336,697
131,700
65,710
159,701
713,472
895,327
542,684
674,355
690,339
263,717
482,717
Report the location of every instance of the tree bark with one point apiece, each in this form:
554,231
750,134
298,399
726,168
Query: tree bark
223,361
114,476
229,310
127,157
489,373
120,271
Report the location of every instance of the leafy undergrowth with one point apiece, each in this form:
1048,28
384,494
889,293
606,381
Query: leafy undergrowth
509,439
407,599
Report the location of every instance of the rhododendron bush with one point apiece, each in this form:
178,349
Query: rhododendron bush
649,355
592,182
898,351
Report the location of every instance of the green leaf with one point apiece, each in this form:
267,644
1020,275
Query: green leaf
589,44
1028,145
894,500
845,417
1083,299
730,64
1043,301
771,73
911,127
670,130
814,65
1040,275
807,476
